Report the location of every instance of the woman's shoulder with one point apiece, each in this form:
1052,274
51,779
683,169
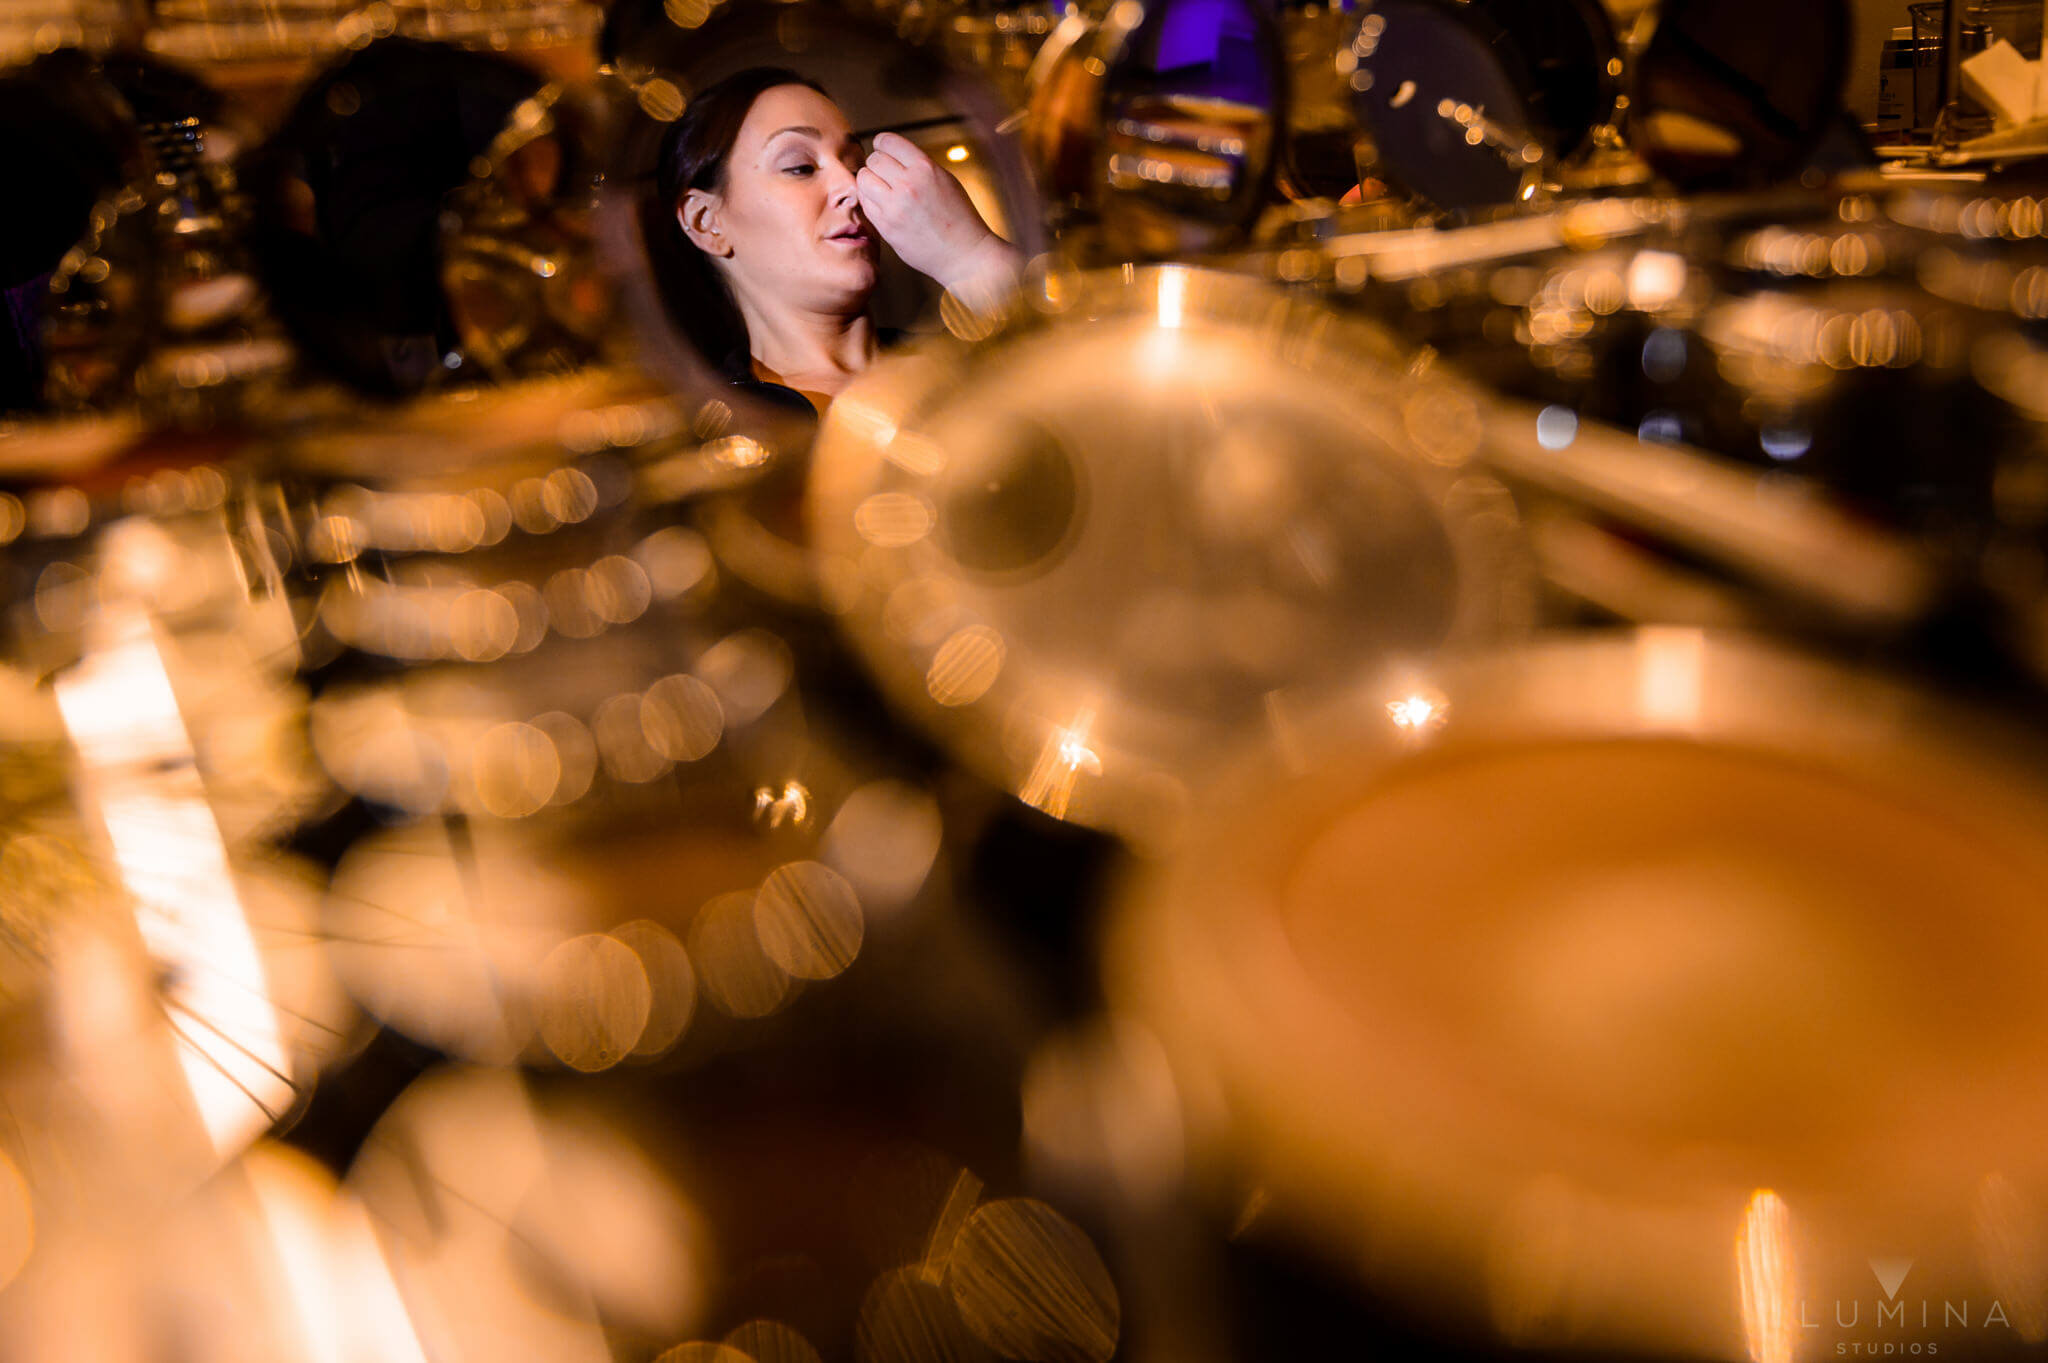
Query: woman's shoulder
738,369
775,394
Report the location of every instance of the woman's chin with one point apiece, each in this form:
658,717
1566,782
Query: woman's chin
852,287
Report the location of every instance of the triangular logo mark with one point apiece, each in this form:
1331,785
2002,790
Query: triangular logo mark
1890,1273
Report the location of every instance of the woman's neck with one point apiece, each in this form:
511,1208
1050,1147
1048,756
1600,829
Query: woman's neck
818,352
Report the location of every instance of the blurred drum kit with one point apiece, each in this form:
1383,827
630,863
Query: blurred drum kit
1430,741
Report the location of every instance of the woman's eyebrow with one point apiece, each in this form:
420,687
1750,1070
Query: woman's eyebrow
803,128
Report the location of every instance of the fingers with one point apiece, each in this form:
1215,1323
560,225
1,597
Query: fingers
889,169
897,162
900,149
919,208
880,204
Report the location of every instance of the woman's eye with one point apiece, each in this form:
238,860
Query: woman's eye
801,168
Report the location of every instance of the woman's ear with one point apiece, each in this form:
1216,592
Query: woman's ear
699,215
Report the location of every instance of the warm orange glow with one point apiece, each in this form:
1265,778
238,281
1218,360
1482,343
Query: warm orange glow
474,1184
891,520
883,840
770,1341
2012,1246
294,1199
1030,1284
965,666
1764,1267
1062,759
1668,686
1173,292
1101,1106
444,941
138,773
1413,712
17,1221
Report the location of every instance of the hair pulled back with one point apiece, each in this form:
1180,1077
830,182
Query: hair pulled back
694,155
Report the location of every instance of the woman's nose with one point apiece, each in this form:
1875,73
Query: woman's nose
840,185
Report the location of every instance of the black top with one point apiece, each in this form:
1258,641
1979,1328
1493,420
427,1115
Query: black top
738,368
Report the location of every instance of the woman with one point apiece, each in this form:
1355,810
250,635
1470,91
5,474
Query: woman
777,212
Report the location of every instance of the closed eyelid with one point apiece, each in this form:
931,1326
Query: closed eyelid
849,152
844,144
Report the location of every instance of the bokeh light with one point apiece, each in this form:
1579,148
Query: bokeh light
671,980
592,1000
808,920
739,977
1030,1284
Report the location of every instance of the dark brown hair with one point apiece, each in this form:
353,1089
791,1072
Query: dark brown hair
694,154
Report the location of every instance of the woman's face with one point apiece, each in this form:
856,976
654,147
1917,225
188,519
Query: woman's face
787,225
